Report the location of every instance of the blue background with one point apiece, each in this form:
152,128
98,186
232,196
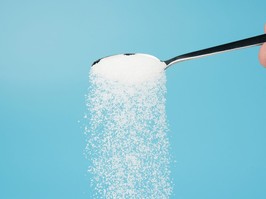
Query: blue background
216,106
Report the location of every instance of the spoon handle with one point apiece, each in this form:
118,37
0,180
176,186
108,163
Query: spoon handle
244,43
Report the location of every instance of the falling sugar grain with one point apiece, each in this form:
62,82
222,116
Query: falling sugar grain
127,142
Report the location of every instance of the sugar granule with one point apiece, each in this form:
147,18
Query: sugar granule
127,142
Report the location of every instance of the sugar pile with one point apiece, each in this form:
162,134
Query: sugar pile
127,142
129,69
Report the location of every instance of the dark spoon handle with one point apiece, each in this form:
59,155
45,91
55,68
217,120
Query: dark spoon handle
252,41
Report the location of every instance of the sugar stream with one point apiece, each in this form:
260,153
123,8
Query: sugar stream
127,142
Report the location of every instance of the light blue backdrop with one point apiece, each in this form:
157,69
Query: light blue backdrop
216,106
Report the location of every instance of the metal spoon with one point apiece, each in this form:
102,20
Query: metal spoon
244,43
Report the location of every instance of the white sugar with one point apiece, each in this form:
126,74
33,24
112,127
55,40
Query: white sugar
129,69
127,142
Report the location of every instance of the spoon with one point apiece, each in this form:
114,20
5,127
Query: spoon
244,43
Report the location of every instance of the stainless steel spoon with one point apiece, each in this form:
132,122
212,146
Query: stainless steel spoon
244,43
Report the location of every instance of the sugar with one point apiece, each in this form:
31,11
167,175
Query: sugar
127,142
129,69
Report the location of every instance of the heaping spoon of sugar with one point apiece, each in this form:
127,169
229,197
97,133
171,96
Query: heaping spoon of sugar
244,43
